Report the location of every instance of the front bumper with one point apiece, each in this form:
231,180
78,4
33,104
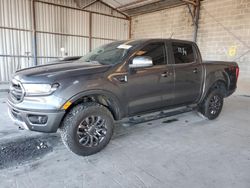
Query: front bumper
20,118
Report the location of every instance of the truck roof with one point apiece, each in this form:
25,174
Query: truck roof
156,39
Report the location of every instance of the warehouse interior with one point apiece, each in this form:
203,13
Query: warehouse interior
183,150
36,32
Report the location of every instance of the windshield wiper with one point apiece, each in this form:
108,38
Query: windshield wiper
92,62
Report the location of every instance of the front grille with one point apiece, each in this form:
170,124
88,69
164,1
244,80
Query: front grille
16,91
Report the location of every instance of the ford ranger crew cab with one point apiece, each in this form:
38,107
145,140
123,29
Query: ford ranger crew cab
82,98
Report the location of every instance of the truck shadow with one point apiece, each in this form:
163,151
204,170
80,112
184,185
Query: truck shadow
129,125
23,150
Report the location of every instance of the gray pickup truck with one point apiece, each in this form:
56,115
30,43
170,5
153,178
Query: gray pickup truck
82,97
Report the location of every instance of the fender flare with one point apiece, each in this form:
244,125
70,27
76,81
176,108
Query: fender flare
212,80
117,109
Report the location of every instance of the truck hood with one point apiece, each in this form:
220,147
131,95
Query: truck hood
57,71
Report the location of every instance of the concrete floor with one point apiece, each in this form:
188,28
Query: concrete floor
186,151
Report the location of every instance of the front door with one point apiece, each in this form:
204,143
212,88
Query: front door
147,86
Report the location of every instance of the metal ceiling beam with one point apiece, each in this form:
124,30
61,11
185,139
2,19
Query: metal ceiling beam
190,2
190,12
88,5
195,15
152,7
106,4
196,20
125,6
102,2
75,8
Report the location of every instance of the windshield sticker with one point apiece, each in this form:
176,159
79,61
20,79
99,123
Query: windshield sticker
182,51
124,46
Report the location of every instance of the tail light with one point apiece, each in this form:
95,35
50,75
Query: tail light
237,72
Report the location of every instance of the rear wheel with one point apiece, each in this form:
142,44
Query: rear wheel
212,105
87,128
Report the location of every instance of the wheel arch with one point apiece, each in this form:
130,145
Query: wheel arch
102,97
214,82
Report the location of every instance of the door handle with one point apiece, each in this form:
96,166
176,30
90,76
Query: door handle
121,79
195,70
166,74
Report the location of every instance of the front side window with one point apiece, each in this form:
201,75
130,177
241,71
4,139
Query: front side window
154,50
183,53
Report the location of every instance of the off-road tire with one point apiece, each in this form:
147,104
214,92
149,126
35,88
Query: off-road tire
73,119
205,107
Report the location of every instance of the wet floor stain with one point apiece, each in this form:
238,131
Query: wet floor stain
245,95
20,151
135,123
170,120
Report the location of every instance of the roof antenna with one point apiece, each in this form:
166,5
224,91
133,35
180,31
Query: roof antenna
171,35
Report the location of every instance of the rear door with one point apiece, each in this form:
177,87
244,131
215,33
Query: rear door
188,72
148,85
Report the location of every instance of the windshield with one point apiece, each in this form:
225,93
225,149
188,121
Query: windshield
108,54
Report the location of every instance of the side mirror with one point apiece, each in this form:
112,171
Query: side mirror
141,61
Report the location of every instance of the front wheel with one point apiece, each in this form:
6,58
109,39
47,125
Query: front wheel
212,105
87,128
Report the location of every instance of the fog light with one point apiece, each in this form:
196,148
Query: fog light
38,119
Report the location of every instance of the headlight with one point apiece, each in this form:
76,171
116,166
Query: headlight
39,89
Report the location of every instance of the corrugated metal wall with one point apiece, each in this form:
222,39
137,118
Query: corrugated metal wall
108,27
60,28
15,36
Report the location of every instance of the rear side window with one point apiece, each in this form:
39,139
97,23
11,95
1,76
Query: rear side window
154,50
183,53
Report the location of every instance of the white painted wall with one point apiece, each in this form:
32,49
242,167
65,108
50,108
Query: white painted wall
224,25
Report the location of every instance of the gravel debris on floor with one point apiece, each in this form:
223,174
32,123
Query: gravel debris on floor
20,151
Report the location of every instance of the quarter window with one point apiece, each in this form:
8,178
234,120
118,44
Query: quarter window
183,53
154,50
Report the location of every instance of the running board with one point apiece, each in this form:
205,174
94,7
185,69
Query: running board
158,115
